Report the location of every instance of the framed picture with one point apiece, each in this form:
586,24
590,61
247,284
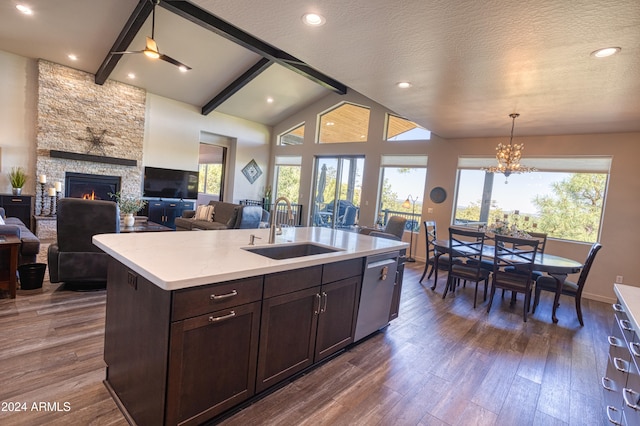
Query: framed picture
252,171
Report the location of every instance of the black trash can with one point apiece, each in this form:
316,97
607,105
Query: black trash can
31,275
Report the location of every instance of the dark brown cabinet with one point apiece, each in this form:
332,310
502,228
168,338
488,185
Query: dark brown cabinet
212,363
19,206
314,318
185,356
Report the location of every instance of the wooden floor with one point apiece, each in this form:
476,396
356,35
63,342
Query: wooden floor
440,363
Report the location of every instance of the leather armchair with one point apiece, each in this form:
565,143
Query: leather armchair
251,217
393,230
73,258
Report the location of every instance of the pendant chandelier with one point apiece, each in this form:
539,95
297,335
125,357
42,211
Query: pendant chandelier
508,156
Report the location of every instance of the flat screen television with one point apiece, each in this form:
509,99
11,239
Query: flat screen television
170,183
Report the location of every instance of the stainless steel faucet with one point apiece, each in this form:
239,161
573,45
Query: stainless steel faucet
272,231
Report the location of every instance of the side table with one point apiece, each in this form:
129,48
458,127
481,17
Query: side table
9,246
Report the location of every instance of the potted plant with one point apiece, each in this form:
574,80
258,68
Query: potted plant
129,205
17,177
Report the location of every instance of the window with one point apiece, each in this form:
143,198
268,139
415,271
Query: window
211,170
294,136
402,177
344,123
287,178
564,198
338,186
400,129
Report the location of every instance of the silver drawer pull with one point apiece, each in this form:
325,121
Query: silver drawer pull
608,380
626,325
222,318
634,348
223,296
617,307
614,341
611,408
16,200
619,361
630,393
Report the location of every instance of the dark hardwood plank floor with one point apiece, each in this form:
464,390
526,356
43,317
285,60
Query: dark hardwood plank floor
440,363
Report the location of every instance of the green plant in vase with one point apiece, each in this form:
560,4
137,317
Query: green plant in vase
17,178
129,206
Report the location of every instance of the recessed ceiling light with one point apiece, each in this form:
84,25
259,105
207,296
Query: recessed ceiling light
131,75
607,51
404,84
269,100
24,9
313,19
72,57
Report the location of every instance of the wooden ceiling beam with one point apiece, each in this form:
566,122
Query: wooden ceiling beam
238,84
224,29
131,28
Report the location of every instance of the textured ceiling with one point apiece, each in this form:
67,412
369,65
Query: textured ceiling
471,63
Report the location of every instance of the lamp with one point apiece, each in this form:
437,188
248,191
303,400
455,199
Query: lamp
508,156
408,203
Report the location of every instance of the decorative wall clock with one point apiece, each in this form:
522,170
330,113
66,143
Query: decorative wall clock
252,171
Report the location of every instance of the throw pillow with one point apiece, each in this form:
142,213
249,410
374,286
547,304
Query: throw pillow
213,213
1,220
204,213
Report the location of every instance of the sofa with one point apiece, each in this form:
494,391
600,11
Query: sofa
225,216
30,246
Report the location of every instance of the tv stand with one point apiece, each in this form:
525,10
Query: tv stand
165,212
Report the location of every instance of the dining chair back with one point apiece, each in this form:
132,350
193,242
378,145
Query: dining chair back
512,267
569,288
465,260
435,258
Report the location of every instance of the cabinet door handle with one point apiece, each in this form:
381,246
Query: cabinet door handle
611,408
633,348
223,317
614,341
223,296
617,307
626,325
616,363
316,304
16,200
607,380
324,304
630,393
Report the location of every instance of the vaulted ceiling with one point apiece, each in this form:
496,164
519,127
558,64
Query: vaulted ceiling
470,64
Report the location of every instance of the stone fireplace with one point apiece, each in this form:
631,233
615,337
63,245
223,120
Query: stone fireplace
89,186
86,130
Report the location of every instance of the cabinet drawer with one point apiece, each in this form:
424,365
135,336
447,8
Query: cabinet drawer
631,398
16,200
623,322
340,270
290,281
204,299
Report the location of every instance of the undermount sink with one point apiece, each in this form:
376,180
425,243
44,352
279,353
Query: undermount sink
279,252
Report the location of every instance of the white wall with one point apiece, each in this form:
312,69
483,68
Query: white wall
172,131
18,85
172,138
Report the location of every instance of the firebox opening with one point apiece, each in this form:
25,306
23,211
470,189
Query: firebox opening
90,186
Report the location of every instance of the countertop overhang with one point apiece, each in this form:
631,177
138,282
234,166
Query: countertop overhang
182,259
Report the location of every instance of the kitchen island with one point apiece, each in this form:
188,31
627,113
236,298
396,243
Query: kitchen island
197,324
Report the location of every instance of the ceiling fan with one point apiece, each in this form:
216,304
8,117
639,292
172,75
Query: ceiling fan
151,49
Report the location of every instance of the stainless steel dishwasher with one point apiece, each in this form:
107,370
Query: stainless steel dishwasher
377,292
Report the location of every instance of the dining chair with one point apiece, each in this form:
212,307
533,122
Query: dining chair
569,288
435,258
512,267
465,260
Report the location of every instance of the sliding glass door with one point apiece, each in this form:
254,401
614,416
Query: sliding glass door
337,189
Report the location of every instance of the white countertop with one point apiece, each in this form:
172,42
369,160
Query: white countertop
629,298
175,260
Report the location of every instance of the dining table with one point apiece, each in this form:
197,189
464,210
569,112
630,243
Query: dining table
555,266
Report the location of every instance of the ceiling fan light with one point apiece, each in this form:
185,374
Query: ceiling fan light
183,68
151,54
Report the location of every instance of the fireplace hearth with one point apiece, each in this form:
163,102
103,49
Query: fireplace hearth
90,186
